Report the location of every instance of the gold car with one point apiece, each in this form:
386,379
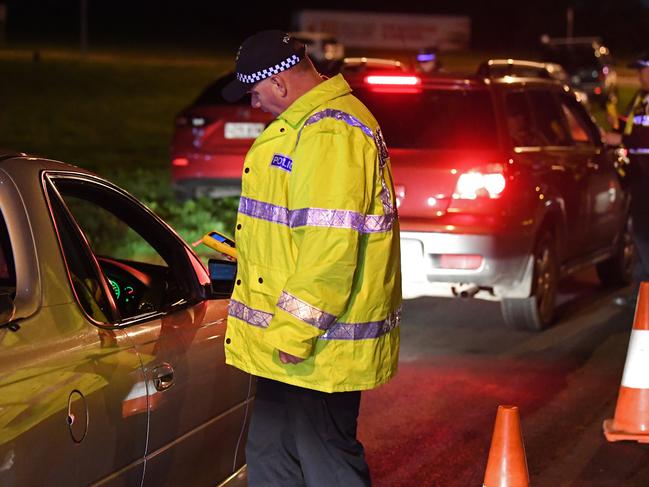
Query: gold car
112,366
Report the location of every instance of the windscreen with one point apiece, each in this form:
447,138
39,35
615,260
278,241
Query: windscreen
434,119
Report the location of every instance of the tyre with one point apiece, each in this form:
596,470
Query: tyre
618,269
536,312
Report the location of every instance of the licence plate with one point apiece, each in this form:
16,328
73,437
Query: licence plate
235,130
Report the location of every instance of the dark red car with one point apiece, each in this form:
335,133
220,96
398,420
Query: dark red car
210,141
212,136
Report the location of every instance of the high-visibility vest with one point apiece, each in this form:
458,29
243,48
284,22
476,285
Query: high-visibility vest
318,249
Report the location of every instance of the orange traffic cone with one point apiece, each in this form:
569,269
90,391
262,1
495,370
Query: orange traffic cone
507,466
631,420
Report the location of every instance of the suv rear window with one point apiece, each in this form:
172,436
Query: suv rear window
434,119
211,95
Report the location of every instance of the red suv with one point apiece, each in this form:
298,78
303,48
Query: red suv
504,187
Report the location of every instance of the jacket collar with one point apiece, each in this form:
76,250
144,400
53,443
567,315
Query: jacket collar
316,96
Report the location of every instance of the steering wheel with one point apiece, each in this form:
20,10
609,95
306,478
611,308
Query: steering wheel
135,292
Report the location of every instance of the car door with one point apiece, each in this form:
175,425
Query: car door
63,375
564,182
606,205
197,406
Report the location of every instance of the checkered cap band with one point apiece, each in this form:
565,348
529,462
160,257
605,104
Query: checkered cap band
265,73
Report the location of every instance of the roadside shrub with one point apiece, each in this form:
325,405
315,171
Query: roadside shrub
191,219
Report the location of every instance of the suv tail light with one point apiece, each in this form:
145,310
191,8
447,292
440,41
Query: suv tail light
488,181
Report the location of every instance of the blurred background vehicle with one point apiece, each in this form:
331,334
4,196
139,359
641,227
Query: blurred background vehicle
522,68
503,188
588,63
210,140
324,49
356,64
211,136
111,341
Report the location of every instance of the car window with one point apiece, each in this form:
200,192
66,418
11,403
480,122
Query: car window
211,95
520,122
581,128
145,267
434,119
84,276
549,118
7,269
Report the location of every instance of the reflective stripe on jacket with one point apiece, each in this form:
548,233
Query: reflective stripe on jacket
318,244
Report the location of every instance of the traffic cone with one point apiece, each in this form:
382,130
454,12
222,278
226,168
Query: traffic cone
631,420
507,466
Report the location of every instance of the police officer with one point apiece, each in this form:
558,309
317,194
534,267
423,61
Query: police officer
633,133
315,309
428,60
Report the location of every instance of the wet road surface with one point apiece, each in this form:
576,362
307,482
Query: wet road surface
432,424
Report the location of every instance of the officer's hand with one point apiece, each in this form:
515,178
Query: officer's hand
287,358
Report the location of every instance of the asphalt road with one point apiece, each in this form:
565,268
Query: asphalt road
432,424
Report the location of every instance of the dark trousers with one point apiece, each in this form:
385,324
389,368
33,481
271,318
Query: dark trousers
301,437
639,187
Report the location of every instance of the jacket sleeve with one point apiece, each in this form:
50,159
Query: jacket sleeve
330,194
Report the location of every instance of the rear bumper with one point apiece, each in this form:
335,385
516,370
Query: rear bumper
505,272
208,187
212,175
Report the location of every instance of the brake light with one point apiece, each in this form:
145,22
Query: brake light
393,80
393,84
180,162
485,182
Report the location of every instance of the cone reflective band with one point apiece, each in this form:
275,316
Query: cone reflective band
631,420
220,243
507,465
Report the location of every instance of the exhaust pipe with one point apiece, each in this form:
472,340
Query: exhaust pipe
468,292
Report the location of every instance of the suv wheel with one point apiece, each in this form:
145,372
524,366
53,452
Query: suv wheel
618,269
536,312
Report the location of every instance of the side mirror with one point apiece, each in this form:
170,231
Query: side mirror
222,275
7,308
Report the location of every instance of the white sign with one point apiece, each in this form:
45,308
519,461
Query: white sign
391,31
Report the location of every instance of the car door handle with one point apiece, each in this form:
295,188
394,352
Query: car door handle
163,377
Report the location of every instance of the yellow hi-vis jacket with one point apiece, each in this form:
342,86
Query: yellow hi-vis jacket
318,249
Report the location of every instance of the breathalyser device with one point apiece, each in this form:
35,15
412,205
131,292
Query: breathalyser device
219,242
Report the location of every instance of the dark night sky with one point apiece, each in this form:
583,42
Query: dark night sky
623,23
